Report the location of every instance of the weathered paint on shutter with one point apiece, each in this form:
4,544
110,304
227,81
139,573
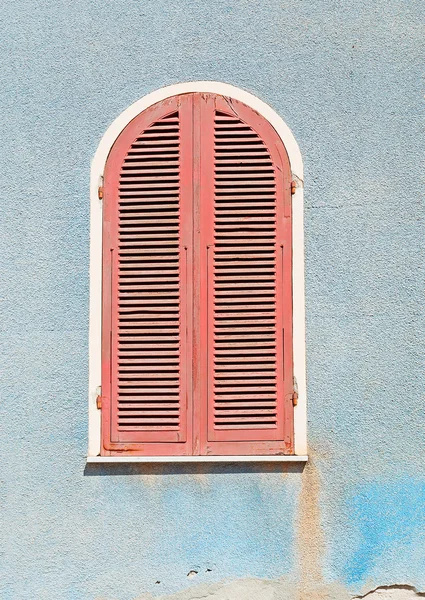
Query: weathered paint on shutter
246,297
146,283
197,297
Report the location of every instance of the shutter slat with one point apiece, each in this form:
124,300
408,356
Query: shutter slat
242,280
246,336
238,172
134,217
160,133
150,240
244,141
132,166
223,413
258,206
128,276
138,155
149,175
141,362
262,404
242,378
241,148
151,405
152,254
165,378
233,218
165,220
129,288
152,193
240,359
169,184
131,268
146,303
127,211
238,160
151,378
223,125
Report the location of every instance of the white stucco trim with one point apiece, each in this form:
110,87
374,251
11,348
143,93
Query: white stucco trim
191,459
97,169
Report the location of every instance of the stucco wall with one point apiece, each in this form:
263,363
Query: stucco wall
345,76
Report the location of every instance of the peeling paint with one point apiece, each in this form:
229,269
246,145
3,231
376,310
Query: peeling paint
392,592
283,589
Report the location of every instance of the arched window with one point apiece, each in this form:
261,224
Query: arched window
197,299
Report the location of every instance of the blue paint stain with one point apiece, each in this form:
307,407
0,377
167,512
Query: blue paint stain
385,514
220,525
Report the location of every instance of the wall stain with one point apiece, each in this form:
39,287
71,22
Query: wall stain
310,542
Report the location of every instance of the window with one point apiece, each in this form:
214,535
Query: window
197,353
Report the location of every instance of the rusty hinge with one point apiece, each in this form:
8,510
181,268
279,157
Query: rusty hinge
293,187
100,192
295,393
99,402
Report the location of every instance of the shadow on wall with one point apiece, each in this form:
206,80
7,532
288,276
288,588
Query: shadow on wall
117,469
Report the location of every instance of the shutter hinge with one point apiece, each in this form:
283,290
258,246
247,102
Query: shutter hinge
293,187
99,402
100,188
295,393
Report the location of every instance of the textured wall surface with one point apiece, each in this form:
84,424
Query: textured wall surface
346,77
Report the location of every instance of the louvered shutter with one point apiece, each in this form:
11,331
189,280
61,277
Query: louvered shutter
147,248
197,291
246,232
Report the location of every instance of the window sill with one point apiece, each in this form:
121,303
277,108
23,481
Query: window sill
192,459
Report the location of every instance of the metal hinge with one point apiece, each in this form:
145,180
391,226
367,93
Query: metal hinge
100,188
99,402
295,393
293,187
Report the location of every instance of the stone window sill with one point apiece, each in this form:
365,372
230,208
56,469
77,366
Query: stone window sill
193,459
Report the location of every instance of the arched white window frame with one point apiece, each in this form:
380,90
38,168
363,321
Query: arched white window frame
299,347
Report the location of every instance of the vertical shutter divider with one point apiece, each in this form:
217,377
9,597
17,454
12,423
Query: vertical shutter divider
204,199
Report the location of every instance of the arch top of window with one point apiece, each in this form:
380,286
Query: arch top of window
97,170
212,87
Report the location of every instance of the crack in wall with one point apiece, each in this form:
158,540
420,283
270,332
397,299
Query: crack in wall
382,589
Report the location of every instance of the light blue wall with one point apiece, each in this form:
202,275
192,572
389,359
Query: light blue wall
346,77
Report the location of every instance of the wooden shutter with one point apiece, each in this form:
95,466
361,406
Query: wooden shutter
147,248
247,307
197,293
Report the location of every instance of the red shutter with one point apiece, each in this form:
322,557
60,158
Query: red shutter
197,297
147,249
247,307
